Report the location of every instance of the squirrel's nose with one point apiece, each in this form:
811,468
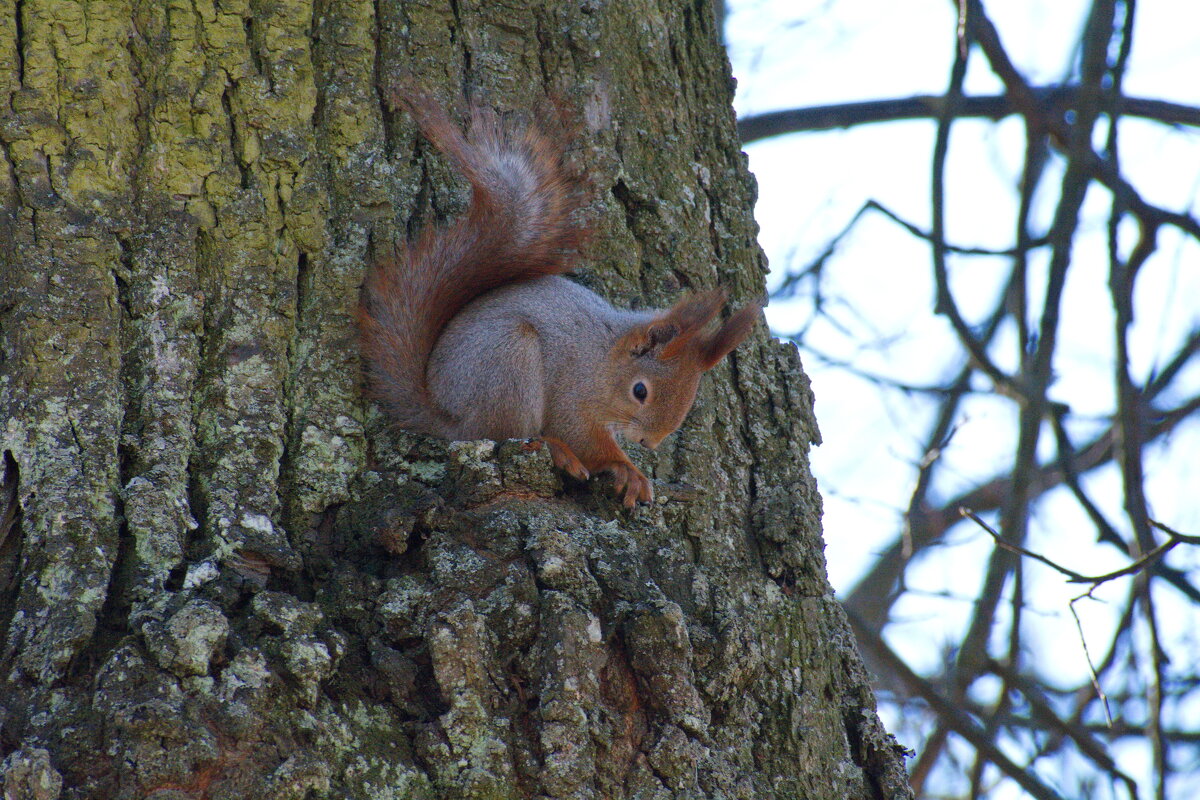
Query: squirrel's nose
647,443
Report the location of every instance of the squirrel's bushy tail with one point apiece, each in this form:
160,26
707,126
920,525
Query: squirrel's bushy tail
518,226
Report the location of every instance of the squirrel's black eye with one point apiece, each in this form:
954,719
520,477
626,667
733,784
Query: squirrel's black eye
639,391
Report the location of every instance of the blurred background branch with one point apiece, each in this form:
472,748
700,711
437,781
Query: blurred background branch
1014,333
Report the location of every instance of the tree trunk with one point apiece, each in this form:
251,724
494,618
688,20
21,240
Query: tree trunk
222,575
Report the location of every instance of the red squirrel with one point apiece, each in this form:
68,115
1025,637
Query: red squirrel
470,333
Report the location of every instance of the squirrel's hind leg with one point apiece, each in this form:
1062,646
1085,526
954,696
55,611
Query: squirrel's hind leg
490,380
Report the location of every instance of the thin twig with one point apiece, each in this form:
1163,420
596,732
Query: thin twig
1174,534
787,288
1087,654
1072,575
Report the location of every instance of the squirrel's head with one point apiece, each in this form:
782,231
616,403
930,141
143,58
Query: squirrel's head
657,365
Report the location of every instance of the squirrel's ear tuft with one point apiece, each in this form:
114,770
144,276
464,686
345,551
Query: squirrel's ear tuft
646,339
687,318
665,336
728,336
678,329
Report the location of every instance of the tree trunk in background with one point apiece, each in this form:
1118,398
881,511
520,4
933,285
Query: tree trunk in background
222,576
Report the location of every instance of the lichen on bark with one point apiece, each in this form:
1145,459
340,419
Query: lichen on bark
223,575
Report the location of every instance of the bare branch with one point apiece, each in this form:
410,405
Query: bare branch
1072,575
1154,729
1174,534
1025,98
1052,101
1046,718
1014,345
872,596
951,715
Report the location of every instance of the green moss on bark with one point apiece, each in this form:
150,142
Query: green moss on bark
231,579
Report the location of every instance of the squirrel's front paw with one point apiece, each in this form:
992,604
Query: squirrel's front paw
566,460
632,484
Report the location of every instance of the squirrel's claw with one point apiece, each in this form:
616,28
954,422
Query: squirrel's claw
632,485
566,460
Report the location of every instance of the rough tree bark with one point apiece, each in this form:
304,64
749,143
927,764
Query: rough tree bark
222,576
